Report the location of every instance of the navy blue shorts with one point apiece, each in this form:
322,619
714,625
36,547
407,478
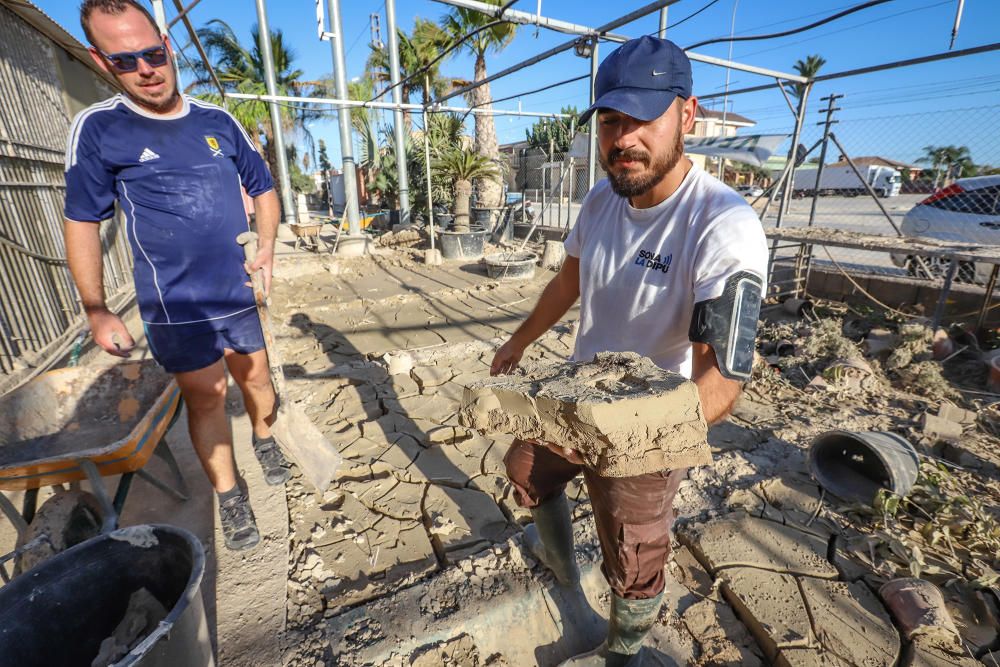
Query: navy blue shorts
180,348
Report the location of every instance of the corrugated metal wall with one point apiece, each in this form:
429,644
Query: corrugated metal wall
39,309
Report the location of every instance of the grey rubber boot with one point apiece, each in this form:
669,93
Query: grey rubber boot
631,621
550,539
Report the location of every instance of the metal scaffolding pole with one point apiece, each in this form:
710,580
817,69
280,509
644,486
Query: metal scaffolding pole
344,118
397,114
527,18
346,104
662,32
287,203
601,30
592,153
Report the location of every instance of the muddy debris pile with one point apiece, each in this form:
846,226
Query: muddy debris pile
623,414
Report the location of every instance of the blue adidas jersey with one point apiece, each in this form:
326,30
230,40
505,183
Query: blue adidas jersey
177,180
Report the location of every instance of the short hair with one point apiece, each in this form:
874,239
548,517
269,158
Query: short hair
113,7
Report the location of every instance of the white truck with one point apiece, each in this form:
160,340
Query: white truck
841,180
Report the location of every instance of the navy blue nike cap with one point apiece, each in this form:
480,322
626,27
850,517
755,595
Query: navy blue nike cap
641,78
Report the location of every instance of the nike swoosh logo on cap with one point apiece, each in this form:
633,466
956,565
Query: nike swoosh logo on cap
655,73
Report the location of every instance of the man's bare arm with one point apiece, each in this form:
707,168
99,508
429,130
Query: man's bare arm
556,299
266,212
83,253
718,393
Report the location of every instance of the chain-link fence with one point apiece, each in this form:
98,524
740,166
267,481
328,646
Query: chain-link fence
41,87
554,183
900,175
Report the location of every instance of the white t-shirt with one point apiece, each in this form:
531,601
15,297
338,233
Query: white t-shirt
642,270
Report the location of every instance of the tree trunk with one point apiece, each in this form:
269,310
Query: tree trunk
489,190
463,192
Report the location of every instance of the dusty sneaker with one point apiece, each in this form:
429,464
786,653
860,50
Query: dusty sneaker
239,528
272,461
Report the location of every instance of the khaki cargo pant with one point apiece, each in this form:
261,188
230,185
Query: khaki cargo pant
633,514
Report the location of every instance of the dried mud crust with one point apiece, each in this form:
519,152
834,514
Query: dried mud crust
623,414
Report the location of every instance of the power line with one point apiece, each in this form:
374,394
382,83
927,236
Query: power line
846,28
810,26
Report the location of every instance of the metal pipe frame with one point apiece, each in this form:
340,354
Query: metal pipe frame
288,204
617,23
182,12
397,115
526,18
947,55
193,34
345,103
343,117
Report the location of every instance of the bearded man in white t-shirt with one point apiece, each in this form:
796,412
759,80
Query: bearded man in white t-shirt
668,262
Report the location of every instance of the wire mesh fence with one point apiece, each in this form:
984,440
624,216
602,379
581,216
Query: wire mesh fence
915,168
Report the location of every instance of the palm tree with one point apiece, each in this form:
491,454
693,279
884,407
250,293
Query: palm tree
240,69
462,167
949,161
458,23
416,53
807,68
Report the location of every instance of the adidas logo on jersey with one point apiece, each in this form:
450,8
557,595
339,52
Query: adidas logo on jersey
148,155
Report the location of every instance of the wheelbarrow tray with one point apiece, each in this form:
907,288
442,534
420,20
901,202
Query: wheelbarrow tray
113,416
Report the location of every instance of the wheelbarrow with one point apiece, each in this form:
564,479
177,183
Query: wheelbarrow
82,422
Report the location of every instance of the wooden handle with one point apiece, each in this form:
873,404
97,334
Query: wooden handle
249,242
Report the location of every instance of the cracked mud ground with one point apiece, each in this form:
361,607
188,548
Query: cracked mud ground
414,557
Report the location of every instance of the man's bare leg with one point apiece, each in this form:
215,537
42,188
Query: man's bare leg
251,374
253,378
204,392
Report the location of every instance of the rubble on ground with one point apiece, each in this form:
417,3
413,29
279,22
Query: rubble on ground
621,413
774,570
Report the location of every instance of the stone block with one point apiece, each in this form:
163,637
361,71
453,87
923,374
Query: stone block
850,621
745,541
431,376
808,657
771,606
624,415
433,408
463,520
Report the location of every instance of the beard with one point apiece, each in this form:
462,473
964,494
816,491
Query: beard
631,184
156,102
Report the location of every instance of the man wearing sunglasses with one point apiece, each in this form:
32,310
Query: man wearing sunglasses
175,166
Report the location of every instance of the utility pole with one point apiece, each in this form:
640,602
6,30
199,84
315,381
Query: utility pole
827,124
344,118
397,115
287,203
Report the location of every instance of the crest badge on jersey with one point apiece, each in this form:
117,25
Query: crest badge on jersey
213,144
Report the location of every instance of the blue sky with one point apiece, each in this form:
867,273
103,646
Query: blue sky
892,113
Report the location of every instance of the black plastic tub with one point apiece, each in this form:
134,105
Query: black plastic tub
57,614
463,245
511,266
857,465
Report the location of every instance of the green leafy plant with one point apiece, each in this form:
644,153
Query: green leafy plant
463,166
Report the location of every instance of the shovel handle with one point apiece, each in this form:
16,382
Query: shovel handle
249,242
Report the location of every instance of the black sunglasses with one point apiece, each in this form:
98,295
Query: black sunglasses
128,61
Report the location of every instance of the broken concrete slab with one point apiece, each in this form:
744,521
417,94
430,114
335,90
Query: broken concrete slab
796,497
850,621
808,657
745,541
431,376
463,521
727,436
937,652
623,414
431,407
771,606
